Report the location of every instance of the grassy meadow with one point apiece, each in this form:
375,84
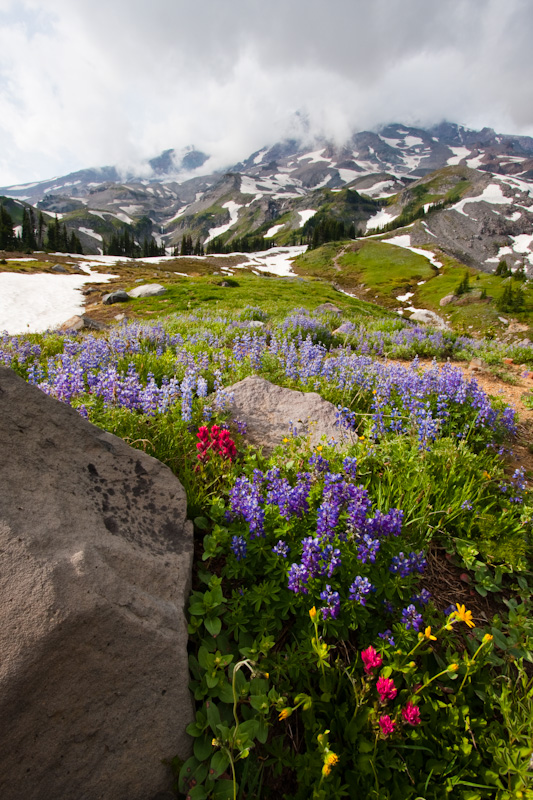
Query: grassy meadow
360,621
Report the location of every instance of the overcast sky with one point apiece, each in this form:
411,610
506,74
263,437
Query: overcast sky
94,82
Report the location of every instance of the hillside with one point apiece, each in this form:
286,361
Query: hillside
471,189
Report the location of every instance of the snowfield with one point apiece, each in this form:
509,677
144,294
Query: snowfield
40,302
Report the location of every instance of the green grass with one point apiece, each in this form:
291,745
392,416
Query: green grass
275,295
383,268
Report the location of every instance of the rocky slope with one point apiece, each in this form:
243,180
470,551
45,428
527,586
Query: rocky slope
467,192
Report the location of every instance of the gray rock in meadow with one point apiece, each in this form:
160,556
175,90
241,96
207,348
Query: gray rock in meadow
60,269
429,318
148,290
255,323
78,323
445,301
268,409
120,296
325,307
346,327
96,556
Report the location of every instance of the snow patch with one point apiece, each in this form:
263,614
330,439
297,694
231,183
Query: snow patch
458,154
474,163
348,175
491,194
315,157
403,298
273,230
306,215
40,302
522,242
277,260
382,217
233,209
90,232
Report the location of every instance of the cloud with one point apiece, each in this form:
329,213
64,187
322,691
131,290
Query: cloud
97,82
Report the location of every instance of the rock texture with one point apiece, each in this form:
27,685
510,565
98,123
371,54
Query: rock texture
95,554
120,296
77,323
268,411
147,290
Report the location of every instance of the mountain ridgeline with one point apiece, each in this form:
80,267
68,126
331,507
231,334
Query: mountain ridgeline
469,193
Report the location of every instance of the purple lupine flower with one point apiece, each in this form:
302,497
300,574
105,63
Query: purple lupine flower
359,590
411,618
367,549
281,549
239,547
349,466
387,637
333,603
298,578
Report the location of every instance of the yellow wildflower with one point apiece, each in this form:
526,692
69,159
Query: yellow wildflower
284,713
428,635
312,613
361,438
488,637
319,448
486,474
330,760
453,667
464,615
285,440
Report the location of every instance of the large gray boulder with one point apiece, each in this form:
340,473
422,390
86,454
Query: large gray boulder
147,290
95,571
270,411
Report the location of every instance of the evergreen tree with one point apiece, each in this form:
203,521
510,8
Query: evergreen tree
464,286
41,225
7,233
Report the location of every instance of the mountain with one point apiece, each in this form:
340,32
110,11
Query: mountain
467,192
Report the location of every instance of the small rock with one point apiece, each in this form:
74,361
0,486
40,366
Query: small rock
428,318
507,360
120,296
346,327
447,300
148,290
120,317
505,321
77,323
324,307
60,269
255,323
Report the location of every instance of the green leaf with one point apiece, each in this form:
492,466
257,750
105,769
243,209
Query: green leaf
197,792
193,729
212,679
213,625
219,763
224,790
203,747
203,657
186,773
197,609
213,715
262,731
225,693
249,728
201,523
